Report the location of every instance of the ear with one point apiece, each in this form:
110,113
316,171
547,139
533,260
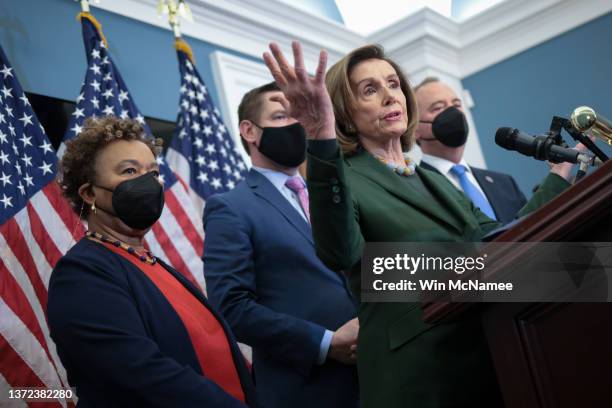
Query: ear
248,131
86,193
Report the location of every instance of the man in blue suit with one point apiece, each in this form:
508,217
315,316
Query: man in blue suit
263,274
441,134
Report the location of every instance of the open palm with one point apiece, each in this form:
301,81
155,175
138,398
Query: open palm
308,99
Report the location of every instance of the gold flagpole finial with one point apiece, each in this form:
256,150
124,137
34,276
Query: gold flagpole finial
175,10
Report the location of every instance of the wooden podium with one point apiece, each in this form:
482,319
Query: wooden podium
552,354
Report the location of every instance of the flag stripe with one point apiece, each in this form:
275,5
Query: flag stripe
40,234
71,221
12,271
191,263
15,369
184,222
23,356
180,165
171,252
16,242
43,268
4,395
17,301
153,246
182,195
19,374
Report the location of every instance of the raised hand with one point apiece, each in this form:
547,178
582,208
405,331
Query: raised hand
308,100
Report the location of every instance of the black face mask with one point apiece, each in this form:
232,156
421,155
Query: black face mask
138,202
284,145
450,127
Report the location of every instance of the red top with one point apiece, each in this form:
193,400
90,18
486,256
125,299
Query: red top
206,333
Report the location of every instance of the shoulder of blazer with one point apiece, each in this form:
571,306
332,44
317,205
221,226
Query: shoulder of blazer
232,199
478,172
237,193
481,174
91,253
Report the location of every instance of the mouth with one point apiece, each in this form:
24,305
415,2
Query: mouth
394,115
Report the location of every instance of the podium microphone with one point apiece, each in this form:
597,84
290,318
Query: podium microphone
539,147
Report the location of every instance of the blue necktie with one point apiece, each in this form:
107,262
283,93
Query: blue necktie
472,191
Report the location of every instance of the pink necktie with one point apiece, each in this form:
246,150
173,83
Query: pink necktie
296,185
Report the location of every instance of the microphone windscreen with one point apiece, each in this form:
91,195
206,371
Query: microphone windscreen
503,137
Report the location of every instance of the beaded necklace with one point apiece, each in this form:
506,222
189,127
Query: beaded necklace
147,258
405,171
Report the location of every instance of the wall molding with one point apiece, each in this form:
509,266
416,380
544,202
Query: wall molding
486,39
528,28
458,48
248,26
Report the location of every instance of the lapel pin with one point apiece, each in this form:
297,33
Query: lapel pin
489,179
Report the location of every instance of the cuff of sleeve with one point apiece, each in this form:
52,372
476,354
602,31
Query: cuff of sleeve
325,343
554,183
324,149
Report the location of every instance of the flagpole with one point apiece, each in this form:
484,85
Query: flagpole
173,19
175,11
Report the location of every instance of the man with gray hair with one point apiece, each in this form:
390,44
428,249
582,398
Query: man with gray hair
441,134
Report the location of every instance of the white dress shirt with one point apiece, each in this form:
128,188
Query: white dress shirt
278,180
444,167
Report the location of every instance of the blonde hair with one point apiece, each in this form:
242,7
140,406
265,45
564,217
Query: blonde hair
341,93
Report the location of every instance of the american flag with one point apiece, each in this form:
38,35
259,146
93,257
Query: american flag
178,236
202,151
37,226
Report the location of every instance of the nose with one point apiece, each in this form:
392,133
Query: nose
388,97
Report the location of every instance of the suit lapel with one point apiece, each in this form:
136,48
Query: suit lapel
429,167
437,188
486,186
443,195
366,165
263,188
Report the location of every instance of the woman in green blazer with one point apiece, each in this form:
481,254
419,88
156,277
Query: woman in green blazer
363,188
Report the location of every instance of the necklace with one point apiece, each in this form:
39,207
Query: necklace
407,170
147,257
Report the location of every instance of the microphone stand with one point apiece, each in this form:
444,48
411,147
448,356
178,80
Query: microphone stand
559,123
584,161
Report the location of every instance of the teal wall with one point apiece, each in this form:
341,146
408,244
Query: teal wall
527,90
43,41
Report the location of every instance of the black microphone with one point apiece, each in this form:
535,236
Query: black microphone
540,147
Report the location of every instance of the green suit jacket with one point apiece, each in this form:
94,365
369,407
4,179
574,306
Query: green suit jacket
403,361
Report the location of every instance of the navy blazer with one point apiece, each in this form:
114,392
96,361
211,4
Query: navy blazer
500,189
122,343
263,274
